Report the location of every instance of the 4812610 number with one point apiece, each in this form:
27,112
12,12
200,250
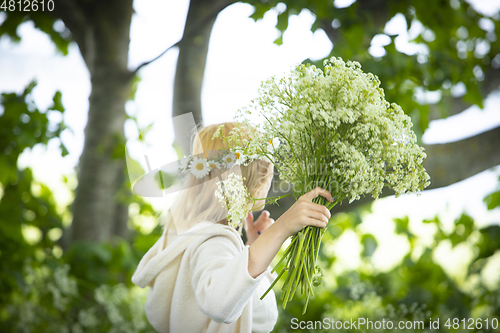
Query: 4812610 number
471,324
27,5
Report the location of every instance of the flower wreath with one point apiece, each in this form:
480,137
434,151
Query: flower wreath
200,166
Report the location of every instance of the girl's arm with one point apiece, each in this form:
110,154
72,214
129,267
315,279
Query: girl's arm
303,213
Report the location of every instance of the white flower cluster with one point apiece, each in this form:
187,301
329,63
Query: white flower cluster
338,131
200,167
234,197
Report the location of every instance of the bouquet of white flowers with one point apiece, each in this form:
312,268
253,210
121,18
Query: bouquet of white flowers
335,131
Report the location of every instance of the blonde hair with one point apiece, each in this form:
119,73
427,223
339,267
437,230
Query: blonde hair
197,202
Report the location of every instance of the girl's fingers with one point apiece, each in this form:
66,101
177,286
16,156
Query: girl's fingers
316,223
249,221
318,191
317,216
263,216
322,209
263,222
250,217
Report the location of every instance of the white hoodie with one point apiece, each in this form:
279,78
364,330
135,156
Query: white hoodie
199,282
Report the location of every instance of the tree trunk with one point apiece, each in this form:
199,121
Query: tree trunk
98,212
193,50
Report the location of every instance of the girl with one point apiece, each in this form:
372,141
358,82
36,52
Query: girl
202,277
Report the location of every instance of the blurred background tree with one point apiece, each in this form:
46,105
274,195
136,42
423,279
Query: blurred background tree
459,67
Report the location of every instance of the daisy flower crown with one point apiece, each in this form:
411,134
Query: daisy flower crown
199,166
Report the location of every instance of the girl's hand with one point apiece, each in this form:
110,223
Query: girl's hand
254,229
304,212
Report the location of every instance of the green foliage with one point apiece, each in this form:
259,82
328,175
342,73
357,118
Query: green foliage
49,300
24,203
46,23
493,200
23,126
85,288
460,48
416,289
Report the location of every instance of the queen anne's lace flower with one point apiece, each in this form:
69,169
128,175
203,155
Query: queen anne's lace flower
234,197
336,131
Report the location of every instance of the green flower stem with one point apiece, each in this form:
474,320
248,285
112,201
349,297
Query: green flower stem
308,268
285,255
274,282
272,200
301,256
293,270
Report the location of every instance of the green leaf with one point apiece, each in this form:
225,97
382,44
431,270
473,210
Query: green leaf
369,245
492,200
259,10
64,150
282,23
134,85
58,106
354,36
402,225
463,228
474,96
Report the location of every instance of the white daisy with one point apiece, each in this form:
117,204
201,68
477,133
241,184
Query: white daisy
199,167
240,157
273,144
183,163
229,160
214,165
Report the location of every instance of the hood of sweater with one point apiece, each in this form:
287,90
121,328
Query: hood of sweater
171,246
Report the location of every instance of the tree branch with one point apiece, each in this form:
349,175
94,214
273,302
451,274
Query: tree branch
190,30
132,73
455,161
